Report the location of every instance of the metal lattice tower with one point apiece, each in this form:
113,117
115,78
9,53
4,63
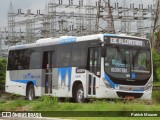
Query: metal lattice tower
30,26
89,10
52,17
140,23
79,17
45,31
125,22
104,22
11,25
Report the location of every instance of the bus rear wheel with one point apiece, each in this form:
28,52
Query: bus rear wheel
30,92
79,94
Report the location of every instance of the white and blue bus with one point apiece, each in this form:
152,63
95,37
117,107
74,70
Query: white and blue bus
93,66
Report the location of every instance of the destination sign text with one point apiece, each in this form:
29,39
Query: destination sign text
123,41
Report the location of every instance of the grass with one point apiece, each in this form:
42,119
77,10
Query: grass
12,105
98,106
156,83
48,103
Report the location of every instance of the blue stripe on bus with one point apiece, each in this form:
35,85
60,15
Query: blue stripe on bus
69,75
63,72
67,40
110,81
112,35
25,81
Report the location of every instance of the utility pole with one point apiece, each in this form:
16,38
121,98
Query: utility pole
156,29
104,19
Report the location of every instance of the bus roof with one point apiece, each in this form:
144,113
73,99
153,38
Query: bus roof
67,39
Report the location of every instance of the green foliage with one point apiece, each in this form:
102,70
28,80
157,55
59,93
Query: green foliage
156,64
46,102
13,105
2,102
2,73
156,96
49,99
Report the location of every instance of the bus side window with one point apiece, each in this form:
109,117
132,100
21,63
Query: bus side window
64,56
35,60
18,59
79,55
11,61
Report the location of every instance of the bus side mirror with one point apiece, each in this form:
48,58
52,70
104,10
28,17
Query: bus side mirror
103,51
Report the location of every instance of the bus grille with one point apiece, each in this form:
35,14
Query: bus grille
124,94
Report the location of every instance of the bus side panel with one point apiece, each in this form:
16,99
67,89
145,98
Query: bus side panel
14,87
79,76
16,81
63,80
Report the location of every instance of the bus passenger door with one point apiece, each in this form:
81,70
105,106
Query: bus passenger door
94,63
47,63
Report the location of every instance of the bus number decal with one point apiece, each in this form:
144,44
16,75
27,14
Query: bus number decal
80,70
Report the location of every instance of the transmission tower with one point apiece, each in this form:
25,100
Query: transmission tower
80,19
104,20
89,10
11,25
30,25
125,21
140,23
52,17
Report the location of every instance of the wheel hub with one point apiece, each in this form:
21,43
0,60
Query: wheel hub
80,95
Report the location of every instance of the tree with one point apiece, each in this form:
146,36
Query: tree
2,73
156,64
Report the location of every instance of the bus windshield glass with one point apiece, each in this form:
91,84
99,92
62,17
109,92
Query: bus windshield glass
128,62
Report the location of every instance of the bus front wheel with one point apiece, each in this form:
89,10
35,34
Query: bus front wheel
79,94
30,92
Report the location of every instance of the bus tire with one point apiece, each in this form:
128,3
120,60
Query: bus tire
79,94
30,92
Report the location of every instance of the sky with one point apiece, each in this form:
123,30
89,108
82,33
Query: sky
40,4
19,4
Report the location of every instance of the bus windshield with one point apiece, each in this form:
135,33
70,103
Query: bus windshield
129,60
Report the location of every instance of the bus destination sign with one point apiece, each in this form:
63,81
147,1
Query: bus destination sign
123,41
126,41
